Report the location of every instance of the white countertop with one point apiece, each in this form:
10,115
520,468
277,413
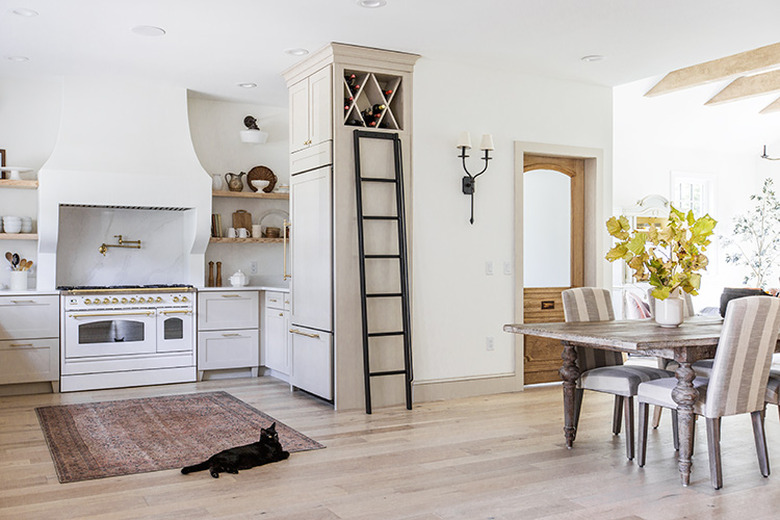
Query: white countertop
278,288
30,292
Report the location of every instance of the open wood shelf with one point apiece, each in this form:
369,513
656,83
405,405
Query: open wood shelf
225,240
21,184
251,195
18,236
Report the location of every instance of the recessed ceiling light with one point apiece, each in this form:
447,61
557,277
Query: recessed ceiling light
592,57
297,51
148,30
247,85
25,12
18,58
372,4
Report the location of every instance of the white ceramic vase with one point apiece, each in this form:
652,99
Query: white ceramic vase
669,312
216,182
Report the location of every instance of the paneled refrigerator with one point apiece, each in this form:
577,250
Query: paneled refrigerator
311,285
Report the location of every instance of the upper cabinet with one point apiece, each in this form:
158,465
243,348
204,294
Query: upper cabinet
311,115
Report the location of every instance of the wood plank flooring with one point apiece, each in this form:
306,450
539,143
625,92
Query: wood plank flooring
495,457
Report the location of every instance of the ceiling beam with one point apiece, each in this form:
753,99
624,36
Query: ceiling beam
747,86
774,106
722,68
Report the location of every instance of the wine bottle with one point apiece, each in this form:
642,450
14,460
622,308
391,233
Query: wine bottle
377,109
352,82
387,92
354,122
347,103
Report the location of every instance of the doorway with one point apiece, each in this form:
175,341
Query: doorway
553,252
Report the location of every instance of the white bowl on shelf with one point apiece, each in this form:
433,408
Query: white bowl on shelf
12,224
260,184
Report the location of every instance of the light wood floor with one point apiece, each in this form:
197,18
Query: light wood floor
495,457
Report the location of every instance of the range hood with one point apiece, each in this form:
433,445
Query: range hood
123,144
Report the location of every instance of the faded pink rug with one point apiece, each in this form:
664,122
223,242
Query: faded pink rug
111,438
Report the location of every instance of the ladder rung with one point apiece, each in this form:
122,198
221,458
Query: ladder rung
376,179
384,295
388,373
379,217
378,334
383,256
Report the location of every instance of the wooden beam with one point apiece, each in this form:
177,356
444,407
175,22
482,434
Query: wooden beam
774,106
747,86
714,70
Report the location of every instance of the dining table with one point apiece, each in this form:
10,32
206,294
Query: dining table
696,338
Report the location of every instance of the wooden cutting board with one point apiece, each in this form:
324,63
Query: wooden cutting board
242,219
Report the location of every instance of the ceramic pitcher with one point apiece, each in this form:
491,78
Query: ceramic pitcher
234,181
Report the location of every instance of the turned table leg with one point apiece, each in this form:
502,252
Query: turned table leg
684,394
569,372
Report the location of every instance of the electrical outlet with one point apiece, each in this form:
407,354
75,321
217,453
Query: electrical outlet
489,344
508,268
253,267
489,268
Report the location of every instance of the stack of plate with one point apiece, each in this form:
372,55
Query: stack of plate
12,224
26,224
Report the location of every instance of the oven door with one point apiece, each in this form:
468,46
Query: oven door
109,333
175,330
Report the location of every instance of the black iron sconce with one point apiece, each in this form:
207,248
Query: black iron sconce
765,156
469,181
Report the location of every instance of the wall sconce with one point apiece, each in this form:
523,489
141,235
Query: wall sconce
469,181
252,134
765,156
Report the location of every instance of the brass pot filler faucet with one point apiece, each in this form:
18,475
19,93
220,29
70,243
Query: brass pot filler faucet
130,244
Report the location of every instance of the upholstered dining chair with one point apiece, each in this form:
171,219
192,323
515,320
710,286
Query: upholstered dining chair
603,370
737,384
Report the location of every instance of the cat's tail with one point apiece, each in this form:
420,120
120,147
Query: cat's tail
196,467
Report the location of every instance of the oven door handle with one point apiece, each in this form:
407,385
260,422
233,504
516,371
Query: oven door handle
104,314
176,312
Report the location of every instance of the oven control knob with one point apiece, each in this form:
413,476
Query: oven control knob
106,301
184,299
114,300
141,299
132,300
124,300
159,300
87,301
175,298
97,301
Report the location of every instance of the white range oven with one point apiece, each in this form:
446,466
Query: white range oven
127,336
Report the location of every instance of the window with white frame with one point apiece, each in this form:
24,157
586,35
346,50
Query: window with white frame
691,192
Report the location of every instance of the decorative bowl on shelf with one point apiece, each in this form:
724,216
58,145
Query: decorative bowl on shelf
260,184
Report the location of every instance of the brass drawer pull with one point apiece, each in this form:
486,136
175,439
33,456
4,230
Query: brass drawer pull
176,312
301,333
231,296
103,314
234,335
22,345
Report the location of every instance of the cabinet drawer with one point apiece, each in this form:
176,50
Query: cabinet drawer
29,361
312,157
312,361
277,300
228,310
29,317
228,349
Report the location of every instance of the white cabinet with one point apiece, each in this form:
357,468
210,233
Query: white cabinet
228,333
311,249
29,339
311,119
312,358
276,343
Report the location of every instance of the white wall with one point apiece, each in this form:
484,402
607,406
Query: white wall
215,127
456,305
29,121
676,132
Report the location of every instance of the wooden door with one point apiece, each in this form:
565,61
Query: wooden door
542,300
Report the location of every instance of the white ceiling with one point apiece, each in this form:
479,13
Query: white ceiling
212,45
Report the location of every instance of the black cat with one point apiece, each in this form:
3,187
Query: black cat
266,450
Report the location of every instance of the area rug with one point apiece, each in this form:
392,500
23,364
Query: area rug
111,438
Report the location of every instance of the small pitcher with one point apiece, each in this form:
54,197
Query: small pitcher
234,181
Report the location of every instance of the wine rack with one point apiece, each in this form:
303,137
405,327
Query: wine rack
364,91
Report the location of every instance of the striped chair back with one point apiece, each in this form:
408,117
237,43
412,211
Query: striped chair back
590,304
687,307
740,370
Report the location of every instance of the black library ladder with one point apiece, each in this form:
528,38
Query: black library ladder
370,263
